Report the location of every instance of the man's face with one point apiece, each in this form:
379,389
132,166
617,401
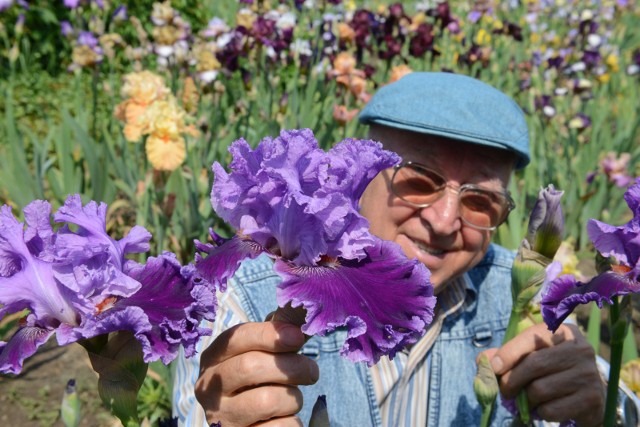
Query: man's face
435,235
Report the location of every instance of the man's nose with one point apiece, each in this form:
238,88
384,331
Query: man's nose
443,215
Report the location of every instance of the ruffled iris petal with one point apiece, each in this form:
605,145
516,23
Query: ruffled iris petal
222,261
20,346
28,282
163,314
291,196
11,234
91,222
623,242
92,236
632,197
565,293
385,300
353,164
39,234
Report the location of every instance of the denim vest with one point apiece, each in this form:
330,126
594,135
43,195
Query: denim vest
351,399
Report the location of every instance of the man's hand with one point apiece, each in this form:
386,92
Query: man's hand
250,373
558,372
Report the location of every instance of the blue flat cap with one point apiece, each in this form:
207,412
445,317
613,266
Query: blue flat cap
453,106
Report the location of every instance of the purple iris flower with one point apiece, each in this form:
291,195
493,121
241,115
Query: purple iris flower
65,28
120,14
474,16
622,244
5,4
72,4
299,204
87,38
579,121
591,58
422,41
79,284
544,103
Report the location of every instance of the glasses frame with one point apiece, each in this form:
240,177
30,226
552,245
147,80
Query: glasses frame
458,190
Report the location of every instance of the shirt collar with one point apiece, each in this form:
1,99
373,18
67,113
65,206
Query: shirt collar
457,292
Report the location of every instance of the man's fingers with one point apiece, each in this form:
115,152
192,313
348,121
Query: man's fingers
535,338
560,385
254,368
488,352
274,337
281,422
540,364
260,404
586,411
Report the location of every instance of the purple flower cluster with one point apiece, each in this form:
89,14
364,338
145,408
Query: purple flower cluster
74,4
6,4
77,282
622,244
299,204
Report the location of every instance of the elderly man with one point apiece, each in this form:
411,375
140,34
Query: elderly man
460,140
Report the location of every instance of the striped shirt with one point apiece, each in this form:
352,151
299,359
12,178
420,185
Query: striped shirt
401,385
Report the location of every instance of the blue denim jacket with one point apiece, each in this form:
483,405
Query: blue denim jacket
351,400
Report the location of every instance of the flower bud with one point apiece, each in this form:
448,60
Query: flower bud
319,414
546,223
485,384
70,408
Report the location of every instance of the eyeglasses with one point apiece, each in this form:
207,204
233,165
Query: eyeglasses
479,207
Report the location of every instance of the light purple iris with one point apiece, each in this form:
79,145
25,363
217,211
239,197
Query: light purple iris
5,4
66,28
299,204
77,282
120,14
622,244
87,38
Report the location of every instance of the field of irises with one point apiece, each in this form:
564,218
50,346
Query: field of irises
131,102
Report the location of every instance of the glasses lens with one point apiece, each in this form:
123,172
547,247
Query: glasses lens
483,208
417,185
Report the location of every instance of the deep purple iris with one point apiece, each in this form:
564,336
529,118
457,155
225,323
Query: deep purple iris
299,204
77,282
422,40
622,244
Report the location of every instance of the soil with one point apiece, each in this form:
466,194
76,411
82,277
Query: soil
32,399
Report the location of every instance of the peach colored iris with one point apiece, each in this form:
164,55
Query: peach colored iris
150,109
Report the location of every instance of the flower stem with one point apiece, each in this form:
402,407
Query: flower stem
511,332
485,419
618,332
512,327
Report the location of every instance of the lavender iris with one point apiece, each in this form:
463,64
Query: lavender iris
299,204
77,283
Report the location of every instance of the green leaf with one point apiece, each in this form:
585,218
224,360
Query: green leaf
121,371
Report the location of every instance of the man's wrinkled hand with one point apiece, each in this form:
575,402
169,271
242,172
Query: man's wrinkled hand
250,375
558,372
